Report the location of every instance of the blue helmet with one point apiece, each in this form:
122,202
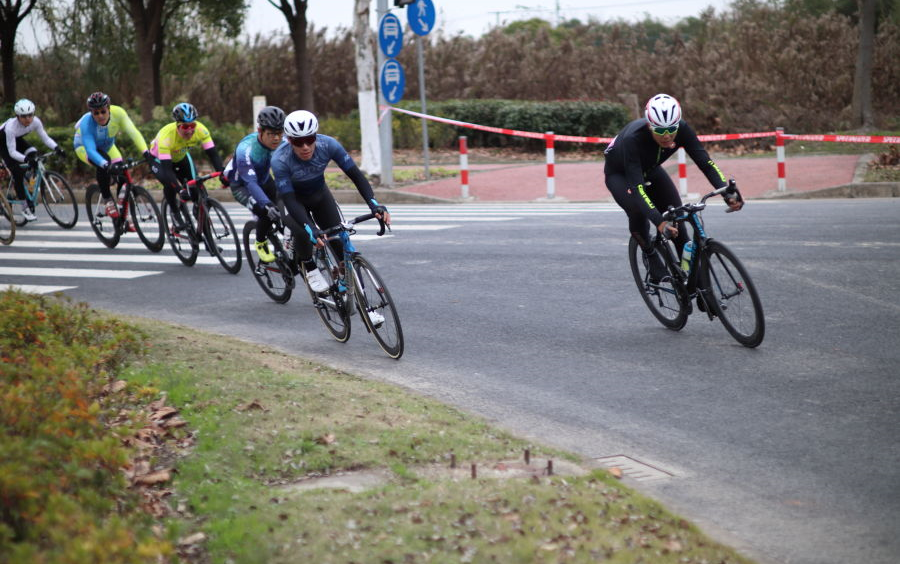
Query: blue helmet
184,113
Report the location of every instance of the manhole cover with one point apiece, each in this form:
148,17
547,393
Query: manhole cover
633,469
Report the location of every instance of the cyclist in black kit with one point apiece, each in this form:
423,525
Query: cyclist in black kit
640,185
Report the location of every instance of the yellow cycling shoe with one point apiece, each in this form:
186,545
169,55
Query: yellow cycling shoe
262,249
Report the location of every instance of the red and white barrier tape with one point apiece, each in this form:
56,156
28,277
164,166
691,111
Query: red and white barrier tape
843,138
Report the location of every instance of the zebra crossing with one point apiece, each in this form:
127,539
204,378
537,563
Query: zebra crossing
72,258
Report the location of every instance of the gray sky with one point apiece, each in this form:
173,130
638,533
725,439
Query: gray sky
477,16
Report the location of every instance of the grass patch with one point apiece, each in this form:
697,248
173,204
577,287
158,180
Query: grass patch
263,423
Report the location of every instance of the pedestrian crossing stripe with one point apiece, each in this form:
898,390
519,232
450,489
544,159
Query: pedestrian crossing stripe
36,288
75,272
114,258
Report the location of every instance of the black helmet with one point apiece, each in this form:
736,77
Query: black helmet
184,113
97,100
271,117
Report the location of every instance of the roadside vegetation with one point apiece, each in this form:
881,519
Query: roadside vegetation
137,441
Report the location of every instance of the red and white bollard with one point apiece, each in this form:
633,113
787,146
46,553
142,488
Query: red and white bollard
464,166
682,172
551,181
779,152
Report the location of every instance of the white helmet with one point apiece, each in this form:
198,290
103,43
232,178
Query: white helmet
24,107
663,111
300,123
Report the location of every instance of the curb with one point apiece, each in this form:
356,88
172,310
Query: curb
852,190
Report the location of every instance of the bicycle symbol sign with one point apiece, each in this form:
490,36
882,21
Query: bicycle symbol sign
393,81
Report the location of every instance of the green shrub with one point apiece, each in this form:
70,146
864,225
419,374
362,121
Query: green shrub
62,494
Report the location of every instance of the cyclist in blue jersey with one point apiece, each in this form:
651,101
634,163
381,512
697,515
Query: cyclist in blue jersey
637,181
95,143
251,180
299,169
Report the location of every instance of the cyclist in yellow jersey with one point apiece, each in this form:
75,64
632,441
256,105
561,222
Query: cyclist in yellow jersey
95,142
171,163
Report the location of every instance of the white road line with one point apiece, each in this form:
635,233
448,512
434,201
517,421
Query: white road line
36,288
73,245
75,272
114,258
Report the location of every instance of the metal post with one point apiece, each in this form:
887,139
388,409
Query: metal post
422,99
259,102
682,172
385,134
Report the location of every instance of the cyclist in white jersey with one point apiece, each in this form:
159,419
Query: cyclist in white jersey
14,150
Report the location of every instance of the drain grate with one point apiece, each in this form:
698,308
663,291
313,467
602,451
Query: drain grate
633,469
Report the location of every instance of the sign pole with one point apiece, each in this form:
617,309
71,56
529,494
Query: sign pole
422,99
385,134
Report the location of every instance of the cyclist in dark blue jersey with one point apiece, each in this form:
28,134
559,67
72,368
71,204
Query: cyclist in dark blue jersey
637,181
299,169
251,179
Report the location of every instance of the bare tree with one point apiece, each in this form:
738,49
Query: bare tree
150,19
296,18
862,78
12,12
366,94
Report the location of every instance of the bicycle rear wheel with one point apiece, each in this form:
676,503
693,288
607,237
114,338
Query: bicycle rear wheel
183,241
275,278
104,227
331,306
372,297
18,218
147,219
664,299
221,236
733,295
59,200
7,223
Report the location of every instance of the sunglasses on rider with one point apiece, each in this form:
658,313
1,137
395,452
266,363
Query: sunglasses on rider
302,141
665,130
187,126
100,111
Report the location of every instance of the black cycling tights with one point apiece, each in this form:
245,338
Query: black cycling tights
322,210
662,193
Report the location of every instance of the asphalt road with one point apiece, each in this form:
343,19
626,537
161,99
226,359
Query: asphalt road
788,452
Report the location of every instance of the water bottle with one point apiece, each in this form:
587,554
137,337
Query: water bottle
686,255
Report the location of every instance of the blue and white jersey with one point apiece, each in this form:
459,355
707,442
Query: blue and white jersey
308,177
250,167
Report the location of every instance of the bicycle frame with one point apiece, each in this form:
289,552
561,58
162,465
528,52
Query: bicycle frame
32,185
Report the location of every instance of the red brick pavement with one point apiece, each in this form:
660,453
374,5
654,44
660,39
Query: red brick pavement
583,181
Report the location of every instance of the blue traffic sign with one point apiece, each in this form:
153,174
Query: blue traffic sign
393,81
390,35
420,16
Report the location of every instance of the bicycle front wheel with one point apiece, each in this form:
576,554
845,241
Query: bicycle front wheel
275,278
221,237
104,226
733,295
59,200
147,219
377,308
7,222
663,299
182,239
331,306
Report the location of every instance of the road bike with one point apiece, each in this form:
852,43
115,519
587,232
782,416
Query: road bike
207,223
136,211
354,286
7,222
51,187
714,277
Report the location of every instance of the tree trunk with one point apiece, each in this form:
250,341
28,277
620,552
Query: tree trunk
367,95
8,59
147,31
298,27
862,78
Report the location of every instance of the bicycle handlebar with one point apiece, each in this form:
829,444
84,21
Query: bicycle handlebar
204,178
729,191
359,219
